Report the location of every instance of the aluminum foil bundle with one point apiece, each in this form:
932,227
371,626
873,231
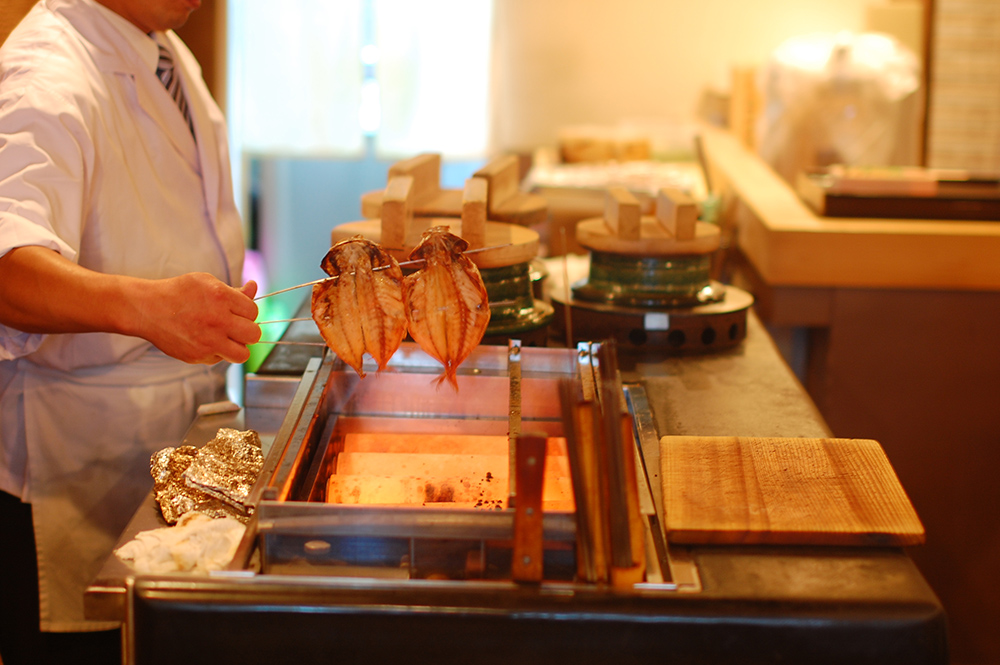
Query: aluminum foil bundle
215,479
227,466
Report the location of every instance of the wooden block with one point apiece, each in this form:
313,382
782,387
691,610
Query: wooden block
425,169
622,213
526,563
730,490
503,176
397,212
443,203
677,213
474,198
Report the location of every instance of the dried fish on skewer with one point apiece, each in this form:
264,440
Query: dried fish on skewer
402,264
447,309
362,310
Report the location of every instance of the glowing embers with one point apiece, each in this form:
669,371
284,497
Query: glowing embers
438,471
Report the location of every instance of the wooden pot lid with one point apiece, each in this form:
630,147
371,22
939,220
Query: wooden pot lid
653,240
673,230
506,244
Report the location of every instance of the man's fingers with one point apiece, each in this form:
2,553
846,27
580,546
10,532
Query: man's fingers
234,352
245,331
245,306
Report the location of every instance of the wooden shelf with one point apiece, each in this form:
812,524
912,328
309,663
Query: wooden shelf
789,245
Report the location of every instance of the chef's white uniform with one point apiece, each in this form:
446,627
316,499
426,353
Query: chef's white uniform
97,163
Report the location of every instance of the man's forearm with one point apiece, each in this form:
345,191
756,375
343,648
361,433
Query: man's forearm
192,317
43,292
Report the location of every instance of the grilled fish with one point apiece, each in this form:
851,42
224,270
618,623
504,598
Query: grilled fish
447,309
362,309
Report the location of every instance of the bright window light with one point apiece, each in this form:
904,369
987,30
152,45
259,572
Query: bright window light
415,75
369,54
370,113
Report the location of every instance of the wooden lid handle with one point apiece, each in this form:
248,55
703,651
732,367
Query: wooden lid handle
397,212
677,213
622,213
474,198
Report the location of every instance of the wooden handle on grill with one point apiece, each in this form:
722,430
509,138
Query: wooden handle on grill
526,565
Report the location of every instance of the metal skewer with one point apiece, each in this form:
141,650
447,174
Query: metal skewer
292,288
401,264
309,318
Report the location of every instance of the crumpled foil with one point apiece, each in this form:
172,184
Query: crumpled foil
227,466
215,479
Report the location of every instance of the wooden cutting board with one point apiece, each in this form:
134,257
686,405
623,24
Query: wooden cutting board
730,490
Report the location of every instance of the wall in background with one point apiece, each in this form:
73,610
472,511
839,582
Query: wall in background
11,13
964,110
562,62
205,34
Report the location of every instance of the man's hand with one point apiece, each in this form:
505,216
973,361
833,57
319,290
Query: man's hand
195,317
199,319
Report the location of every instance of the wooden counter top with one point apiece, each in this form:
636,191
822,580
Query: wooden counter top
789,245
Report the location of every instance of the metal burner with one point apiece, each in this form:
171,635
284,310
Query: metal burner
674,330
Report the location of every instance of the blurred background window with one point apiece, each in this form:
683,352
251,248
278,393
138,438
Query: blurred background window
323,96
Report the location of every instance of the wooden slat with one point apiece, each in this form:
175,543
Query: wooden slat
526,562
728,490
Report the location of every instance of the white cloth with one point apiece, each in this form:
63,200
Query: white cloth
197,544
97,163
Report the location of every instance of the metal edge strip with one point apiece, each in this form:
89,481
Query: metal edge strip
276,455
676,561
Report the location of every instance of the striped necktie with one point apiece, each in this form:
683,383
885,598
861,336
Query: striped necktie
168,76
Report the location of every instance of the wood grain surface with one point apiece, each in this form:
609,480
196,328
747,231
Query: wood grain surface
730,490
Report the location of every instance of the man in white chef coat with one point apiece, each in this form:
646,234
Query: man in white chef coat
121,256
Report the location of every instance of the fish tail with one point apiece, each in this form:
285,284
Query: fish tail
449,376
